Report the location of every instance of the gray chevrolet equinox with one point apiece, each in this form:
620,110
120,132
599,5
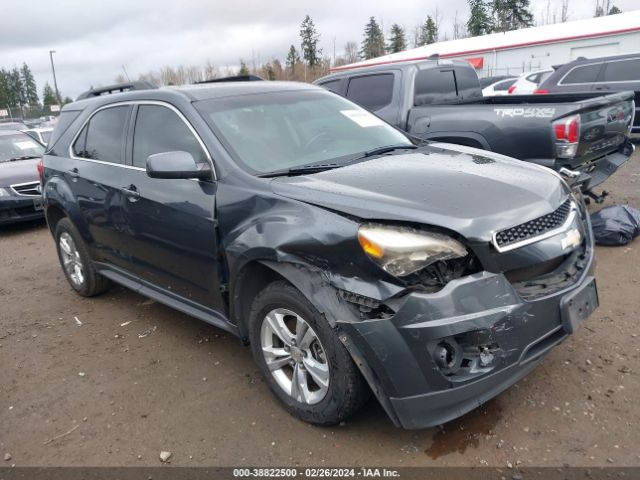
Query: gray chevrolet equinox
353,259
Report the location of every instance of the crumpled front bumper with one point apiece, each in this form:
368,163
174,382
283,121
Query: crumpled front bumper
398,350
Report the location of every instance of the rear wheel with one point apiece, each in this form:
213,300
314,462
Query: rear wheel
301,357
75,261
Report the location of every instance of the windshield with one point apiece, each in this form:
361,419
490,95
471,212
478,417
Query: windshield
282,130
17,146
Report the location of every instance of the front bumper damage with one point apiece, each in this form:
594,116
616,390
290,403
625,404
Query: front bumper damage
486,313
439,355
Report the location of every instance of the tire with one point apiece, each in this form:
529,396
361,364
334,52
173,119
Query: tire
76,262
319,404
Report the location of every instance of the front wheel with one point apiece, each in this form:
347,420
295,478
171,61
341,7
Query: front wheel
301,357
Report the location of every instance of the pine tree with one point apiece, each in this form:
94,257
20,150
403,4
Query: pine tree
479,22
292,59
428,32
48,95
4,88
373,43
309,42
15,90
243,69
398,40
29,85
614,10
511,15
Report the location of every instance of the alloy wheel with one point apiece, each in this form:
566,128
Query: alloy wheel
295,356
71,260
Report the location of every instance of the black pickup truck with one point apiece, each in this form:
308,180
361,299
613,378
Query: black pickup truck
583,136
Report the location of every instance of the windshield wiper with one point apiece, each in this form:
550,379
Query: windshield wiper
24,157
388,148
302,170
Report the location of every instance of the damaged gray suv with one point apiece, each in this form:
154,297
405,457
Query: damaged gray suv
353,259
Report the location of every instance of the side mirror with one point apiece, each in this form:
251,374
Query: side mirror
176,165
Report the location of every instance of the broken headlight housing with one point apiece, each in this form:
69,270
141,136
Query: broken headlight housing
402,251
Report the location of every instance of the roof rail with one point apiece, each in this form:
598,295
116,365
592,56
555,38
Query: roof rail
117,88
234,78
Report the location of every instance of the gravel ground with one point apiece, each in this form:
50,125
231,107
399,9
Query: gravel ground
116,379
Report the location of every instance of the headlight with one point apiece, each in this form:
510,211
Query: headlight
4,192
402,251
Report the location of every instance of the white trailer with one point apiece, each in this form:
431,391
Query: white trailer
531,48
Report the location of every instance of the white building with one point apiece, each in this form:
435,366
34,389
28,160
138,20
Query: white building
531,48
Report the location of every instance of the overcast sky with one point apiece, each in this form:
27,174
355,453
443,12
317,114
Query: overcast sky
94,39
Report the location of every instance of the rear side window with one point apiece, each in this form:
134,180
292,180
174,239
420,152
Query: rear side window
158,130
65,119
333,85
102,138
503,86
583,74
372,92
622,71
435,86
467,83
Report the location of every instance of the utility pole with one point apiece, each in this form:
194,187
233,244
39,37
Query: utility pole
55,82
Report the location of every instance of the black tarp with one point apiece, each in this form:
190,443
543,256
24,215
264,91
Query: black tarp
615,225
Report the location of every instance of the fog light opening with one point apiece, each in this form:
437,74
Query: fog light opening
448,356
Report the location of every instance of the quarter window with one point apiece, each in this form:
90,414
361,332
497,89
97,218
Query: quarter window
583,74
158,130
102,138
372,92
622,71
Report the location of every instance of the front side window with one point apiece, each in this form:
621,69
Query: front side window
622,71
266,133
583,74
158,130
102,138
332,85
372,92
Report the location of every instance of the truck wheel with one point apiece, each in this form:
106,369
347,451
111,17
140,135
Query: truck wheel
301,357
76,263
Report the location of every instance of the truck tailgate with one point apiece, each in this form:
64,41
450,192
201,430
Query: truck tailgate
604,125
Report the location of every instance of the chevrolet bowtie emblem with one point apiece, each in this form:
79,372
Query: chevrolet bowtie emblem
572,239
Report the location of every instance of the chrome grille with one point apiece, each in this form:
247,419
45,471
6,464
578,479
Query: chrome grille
31,189
533,228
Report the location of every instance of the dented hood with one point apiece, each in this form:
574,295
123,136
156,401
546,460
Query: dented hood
462,189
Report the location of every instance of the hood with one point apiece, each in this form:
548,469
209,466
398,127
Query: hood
20,171
463,189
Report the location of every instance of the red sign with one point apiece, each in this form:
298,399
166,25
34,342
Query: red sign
476,62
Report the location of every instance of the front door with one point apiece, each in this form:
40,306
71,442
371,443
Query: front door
171,223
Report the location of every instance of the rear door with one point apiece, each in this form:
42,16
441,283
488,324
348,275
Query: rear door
97,173
580,78
622,75
171,224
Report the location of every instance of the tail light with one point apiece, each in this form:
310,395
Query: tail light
40,171
567,133
541,91
512,89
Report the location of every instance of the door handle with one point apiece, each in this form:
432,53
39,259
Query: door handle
131,192
74,174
